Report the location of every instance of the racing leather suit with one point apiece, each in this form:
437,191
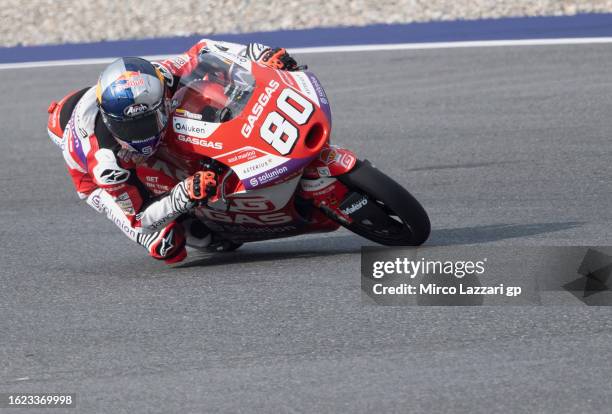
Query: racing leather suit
104,174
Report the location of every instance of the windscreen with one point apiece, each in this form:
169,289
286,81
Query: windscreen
217,90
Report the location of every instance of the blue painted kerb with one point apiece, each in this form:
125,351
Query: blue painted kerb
582,25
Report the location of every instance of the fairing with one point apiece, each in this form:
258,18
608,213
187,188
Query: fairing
269,127
263,123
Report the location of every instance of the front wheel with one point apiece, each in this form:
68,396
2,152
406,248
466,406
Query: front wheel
381,209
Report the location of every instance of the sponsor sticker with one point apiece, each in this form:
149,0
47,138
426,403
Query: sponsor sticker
95,201
355,206
135,109
258,108
268,176
320,92
186,114
271,175
346,160
129,79
316,185
124,201
179,61
327,155
194,128
246,155
305,86
259,165
199,141
269,219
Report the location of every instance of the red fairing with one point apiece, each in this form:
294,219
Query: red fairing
242,132
282,129
331,162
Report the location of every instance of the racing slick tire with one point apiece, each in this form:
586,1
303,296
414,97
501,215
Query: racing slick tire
382,210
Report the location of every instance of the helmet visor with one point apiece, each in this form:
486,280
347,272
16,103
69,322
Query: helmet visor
140,127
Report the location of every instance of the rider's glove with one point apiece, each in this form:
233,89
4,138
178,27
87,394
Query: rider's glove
201,185
278,58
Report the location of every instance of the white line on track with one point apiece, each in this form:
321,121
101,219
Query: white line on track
353,48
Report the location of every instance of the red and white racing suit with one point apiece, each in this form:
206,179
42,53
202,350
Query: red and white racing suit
104,174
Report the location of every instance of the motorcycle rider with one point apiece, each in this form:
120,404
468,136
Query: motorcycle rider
106,130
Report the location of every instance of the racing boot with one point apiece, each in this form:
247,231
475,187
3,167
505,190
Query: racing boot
167,245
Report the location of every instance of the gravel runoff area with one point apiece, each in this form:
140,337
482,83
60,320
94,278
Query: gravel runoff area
35,22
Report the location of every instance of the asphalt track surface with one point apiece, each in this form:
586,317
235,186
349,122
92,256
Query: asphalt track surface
501,145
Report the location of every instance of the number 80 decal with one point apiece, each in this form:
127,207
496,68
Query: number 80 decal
276,130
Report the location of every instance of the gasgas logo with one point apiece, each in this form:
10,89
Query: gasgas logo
200,142
256,219
258,108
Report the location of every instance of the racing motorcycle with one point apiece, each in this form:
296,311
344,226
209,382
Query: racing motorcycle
266,135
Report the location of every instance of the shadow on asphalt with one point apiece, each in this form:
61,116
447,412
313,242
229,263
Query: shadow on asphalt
290,249
495,232
339,245
459,166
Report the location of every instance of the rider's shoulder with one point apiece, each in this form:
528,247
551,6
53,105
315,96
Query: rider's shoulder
107,170
108,167
103,136
85,113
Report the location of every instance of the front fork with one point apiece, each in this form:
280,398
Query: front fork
320,186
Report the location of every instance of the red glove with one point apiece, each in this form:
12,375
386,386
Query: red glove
201,185
278,59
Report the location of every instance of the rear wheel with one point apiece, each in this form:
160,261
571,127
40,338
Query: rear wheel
381,209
